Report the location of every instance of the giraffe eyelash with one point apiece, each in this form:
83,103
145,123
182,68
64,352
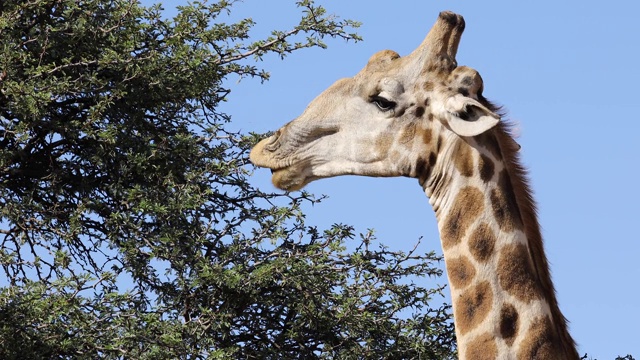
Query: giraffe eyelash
382,103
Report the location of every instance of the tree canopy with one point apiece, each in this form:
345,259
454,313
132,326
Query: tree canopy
129,227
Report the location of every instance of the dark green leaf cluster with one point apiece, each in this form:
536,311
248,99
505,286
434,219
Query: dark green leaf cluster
128,226
627,357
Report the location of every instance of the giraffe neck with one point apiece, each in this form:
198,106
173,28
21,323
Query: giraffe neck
503,300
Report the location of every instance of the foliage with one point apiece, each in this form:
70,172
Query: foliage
129,227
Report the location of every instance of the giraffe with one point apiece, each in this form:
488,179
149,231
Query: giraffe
423,116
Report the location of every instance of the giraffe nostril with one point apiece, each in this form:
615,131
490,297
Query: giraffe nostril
273,143
276,134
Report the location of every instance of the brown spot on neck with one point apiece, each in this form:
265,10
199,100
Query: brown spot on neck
472,306
463,160
541,342
467,206
516,274
482,243
508,323
486,168
460,271
504,204
482,347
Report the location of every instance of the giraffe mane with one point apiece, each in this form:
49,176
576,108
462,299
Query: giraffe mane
518,174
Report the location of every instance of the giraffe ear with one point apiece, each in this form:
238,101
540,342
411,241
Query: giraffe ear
467,117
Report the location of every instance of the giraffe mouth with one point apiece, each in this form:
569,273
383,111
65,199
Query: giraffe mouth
276,170
289,178
292,177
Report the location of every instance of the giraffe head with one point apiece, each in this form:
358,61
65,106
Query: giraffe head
374,123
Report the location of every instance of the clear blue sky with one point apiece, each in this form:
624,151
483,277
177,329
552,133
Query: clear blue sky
568,74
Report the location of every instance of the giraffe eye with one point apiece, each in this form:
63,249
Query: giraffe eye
383,104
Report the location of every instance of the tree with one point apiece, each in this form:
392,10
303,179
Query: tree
129,227
627,357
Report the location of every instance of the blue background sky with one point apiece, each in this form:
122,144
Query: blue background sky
567,72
